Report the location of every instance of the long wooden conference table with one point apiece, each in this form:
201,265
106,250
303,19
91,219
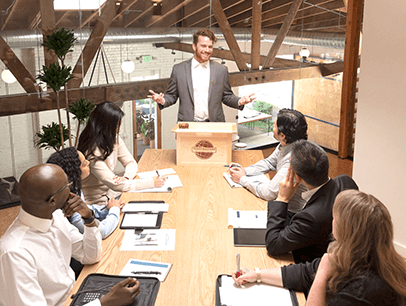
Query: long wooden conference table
204,243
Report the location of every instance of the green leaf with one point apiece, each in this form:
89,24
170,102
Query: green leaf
81,109
61,42
55,76
51,136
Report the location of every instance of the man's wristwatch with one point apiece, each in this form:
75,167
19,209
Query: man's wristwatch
258,271
90,219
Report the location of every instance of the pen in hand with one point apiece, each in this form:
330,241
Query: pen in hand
238,265
157,173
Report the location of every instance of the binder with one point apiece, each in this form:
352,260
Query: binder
96,285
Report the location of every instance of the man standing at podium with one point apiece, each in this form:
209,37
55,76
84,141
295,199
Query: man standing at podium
201,85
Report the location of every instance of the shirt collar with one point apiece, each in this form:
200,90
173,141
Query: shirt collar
285,149
307,195
39,224
195,63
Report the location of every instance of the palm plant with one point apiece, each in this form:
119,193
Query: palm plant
51,136
81,109
55,77
61,42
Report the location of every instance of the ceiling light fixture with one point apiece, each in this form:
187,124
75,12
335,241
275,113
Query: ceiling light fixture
8,77
304,53
128,66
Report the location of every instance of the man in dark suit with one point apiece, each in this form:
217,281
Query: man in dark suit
307,232
200,84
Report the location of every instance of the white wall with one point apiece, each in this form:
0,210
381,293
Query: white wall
380,147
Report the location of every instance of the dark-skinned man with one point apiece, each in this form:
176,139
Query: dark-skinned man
36,249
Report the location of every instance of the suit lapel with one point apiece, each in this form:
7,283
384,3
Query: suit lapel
212,76
188,74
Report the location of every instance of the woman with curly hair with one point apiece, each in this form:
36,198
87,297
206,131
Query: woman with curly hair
361,267
76,168
103,147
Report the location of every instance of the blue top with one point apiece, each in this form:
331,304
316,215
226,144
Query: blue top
108,219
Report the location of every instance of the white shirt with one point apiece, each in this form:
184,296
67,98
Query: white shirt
278,161
308,194
34,259
201,83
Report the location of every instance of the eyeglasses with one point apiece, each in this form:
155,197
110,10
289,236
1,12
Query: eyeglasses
67,185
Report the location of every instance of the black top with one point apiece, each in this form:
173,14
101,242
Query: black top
367,288
306,233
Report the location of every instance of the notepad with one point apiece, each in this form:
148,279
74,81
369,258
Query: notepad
252,294
230,181
247,218
136,267
149,206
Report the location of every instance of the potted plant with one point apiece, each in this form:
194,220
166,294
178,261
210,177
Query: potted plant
61,42
51,136
140,121
81,109
144,133
150,131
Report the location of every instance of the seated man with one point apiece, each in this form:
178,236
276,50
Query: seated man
306,233
289,126
36,249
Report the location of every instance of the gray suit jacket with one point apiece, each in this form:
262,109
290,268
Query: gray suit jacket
181,86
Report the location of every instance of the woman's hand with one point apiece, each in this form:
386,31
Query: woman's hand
159,181
117,203
119,179
246,276
318,291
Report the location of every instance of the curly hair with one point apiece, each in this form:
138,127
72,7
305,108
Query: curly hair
101,131
292,124
364,233
204,32
68,160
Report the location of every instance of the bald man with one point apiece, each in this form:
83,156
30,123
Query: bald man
36,249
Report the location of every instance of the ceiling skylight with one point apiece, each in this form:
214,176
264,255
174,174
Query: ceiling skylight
77,4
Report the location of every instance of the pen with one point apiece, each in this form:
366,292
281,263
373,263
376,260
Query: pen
104,207
238,265
157,172
146,272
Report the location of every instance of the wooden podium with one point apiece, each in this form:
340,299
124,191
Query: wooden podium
204,143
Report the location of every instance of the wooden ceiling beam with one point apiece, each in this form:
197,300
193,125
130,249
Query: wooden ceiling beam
229,35
278,16
282,34
169,7
17,68
256,34
318,26
124,6
11,12
24,103
139,19
202,18
227,55
59,17
93,43
93,15
190,8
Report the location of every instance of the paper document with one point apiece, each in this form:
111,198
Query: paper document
153,207
172,181
149,240
139,220
137,267
247,218
167,171
252,294
230,181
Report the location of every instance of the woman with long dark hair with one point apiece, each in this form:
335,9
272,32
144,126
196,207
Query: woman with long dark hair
76,168
103,147
361,267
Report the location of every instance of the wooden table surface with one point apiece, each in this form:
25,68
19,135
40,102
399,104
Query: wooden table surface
204,244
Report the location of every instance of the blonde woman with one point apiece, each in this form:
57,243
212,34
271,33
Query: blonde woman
361,266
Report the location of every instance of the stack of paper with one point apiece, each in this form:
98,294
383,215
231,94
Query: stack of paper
247,218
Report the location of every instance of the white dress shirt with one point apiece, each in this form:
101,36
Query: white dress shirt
201,83
34,259
278,161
